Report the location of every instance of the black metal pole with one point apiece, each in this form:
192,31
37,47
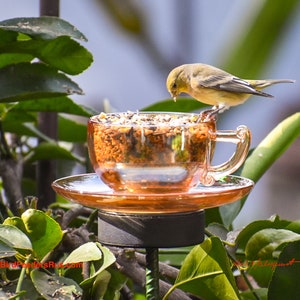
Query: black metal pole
47,123
49,8
152,274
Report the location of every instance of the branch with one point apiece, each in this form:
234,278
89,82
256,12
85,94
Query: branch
73,213
11,171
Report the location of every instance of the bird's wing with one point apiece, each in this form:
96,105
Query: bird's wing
230,84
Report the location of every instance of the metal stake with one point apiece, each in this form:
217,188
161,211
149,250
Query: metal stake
152,274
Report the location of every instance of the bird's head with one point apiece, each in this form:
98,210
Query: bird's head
176,82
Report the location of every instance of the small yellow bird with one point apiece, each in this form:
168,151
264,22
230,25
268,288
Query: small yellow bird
214,86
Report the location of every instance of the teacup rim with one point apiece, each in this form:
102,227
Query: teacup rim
210,121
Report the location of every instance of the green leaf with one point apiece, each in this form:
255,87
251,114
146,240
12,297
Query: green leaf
27,81
262,271
263,243
14,58
49,236
18,128
116,283
100,285
51,150
14,119
56,104
248,231
23,124
206,272
181,105
91,252
53,286
261,292
217,230
285,280
28,291
65,54
212,215
107,260
71,131
14,237
45,27
15,221
62,53
36,132
139,296
7,36
86,252
6,251
294,226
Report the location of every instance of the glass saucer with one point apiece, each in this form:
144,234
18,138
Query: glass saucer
89,190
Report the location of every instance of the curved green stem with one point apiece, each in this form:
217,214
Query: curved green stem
22,276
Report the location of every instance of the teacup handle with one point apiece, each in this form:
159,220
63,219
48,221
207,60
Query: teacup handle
242,138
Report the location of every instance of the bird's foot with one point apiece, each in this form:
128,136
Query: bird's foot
211,114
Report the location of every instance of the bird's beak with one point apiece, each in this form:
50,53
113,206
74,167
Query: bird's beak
174,98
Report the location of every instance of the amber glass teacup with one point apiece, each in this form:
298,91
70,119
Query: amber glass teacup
160,152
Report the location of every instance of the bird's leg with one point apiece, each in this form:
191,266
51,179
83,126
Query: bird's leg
218,109
209,114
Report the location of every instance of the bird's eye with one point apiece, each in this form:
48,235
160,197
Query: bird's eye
174,86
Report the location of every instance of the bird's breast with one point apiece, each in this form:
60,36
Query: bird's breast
217,97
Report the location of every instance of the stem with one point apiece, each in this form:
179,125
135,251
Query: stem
22,276
85,270
243,273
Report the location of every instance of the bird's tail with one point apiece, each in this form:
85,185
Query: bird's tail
260,84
